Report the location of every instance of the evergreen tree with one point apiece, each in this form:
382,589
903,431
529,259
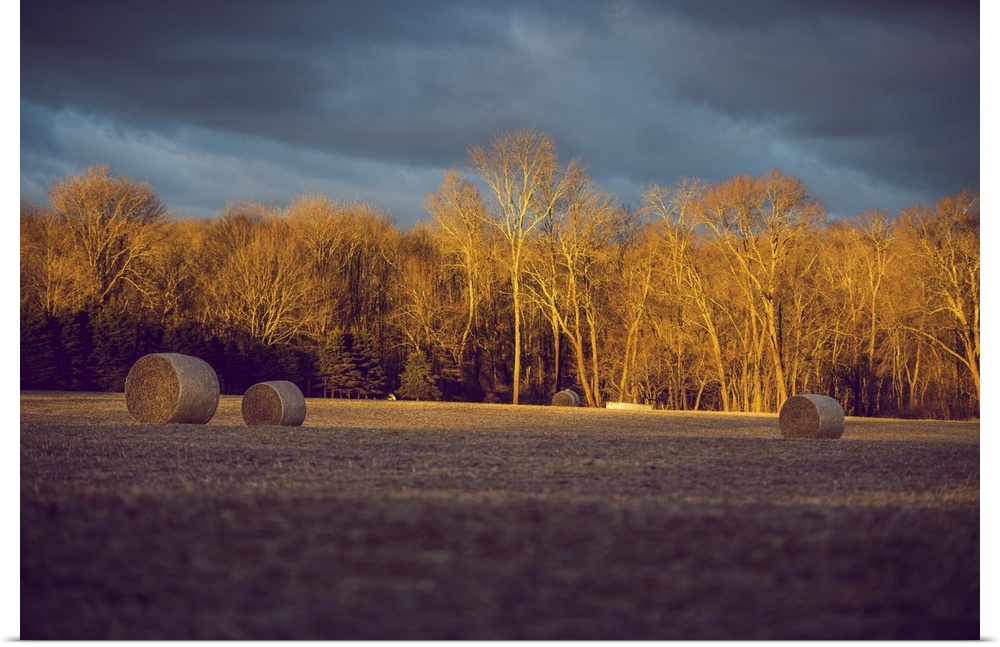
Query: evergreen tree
369,366
39,341
349,366
235,370
418,381
115,349
263,362
73,355
188,338
293,365
335,367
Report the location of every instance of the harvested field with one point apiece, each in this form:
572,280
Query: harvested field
405,520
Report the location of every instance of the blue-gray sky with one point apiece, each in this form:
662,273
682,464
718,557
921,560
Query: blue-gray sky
873,104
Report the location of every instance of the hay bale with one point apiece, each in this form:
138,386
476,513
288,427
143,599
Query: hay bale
170,387
566,398
811,416
273,403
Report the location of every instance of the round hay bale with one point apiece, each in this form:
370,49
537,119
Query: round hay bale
170,387
811,416
566,398
273,403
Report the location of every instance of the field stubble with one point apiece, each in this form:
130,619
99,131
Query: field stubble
396,520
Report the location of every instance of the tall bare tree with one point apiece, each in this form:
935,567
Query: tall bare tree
948,239
115,221
522,170
569,270
683,288
759,221
422,304
459,214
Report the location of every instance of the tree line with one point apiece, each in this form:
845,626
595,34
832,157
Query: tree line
526,279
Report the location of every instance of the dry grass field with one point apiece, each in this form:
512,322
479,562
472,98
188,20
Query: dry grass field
404,520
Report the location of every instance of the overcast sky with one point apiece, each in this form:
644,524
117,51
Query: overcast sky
873,104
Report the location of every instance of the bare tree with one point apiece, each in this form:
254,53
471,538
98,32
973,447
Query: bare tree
948,240
682,287
318,222
422,307
321,227
568,272
51,281
264,287
759,221
172,272
458,213
638,269
367,270
522,170
115,221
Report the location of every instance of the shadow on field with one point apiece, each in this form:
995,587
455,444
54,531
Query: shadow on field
380,520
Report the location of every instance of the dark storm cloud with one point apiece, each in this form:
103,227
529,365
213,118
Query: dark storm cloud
357,75
871,104
868,83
